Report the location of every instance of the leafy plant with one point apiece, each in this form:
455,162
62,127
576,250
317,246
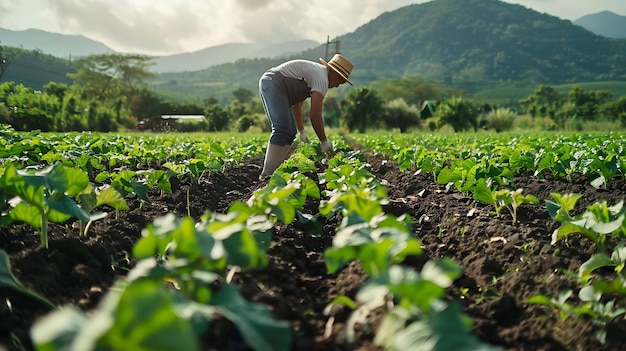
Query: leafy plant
92,198
560,303
127,183
599,222
377,244
12,289
283,196
503,198
44,195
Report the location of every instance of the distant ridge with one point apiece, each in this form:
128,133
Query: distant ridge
226,53
605,23
66,46
59,45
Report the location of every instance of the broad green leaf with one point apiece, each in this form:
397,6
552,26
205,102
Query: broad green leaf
140,189
146,318
113,198
430,334
243,251
53,178
483,193
28,214
77,181
254,321
64,208
596,261
58,329
10,286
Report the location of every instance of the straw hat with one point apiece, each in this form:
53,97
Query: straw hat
341,65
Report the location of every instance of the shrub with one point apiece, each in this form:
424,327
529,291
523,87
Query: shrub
245,122
500,119
398,114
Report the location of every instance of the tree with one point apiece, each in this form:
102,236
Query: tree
332,111
413,89
3,63
113,79
586,104
360,108
242,95
544,102
217,118
56,89
398,114
615,110
458,113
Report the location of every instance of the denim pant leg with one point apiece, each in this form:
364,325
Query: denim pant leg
278,109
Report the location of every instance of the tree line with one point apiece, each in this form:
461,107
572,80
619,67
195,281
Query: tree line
109,93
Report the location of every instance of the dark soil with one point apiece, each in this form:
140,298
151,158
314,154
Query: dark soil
503,263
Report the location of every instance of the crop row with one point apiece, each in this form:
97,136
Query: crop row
194,257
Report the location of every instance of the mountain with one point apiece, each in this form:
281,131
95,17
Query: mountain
220,54
605,23
59,45
465,44
32,68
69,46
464,41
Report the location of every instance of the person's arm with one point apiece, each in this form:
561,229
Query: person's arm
316,115
297,114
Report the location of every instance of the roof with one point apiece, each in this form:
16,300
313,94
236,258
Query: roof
188,117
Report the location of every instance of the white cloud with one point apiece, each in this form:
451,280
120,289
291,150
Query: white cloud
174,26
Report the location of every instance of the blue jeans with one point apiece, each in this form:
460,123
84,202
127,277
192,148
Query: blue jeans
278,94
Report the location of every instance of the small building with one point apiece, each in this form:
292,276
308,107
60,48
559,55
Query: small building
169,123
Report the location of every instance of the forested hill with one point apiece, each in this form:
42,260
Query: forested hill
463,43
471,40
467,44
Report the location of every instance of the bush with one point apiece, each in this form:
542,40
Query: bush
217,118
500,119
245,122
398,114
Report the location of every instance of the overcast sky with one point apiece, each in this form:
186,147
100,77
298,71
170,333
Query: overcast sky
163,27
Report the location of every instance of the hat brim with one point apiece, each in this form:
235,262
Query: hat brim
336,70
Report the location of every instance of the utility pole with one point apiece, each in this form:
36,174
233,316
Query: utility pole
3,62
328,42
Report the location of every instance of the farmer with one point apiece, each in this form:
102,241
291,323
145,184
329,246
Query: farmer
283,89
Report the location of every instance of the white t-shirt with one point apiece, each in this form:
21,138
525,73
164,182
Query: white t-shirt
314,74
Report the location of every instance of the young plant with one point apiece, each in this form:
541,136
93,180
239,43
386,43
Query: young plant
283,196
176,290
512,199
503,198
600,222
560,304
91,198
44,196
127,183
377,244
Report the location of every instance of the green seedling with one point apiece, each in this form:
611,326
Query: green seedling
91,198
377,244
503,198
600,222
560,303
44,196
127,183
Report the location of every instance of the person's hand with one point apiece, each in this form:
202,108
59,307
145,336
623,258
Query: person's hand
327,147
303,136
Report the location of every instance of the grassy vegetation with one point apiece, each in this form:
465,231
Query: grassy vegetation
510,94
